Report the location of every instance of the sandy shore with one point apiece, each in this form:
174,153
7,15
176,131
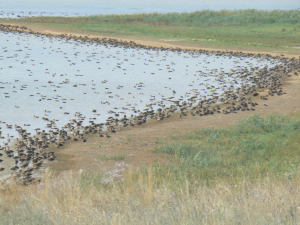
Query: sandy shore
154,42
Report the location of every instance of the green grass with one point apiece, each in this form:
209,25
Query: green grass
243,28
255,148
239,17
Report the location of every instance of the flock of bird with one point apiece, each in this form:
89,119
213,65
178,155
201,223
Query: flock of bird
30,150
24,14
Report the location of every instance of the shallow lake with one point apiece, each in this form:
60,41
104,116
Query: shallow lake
48,78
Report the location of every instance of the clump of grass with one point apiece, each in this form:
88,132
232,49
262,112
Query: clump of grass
112,158
256,147
129,137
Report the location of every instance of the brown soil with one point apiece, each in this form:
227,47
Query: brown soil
136,143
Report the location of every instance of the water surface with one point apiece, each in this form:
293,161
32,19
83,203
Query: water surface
46,79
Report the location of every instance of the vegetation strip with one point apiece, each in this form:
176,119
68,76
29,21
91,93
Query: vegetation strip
254,29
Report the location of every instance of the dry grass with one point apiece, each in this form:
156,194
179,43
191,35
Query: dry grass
190,190
67,199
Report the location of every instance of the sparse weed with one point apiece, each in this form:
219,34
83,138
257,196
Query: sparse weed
129,137
112,157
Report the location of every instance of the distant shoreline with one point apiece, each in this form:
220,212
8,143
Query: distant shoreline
151,42
253,31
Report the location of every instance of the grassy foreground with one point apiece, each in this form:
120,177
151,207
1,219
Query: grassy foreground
243,174
254,29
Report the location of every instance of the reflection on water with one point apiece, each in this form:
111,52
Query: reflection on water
46,81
